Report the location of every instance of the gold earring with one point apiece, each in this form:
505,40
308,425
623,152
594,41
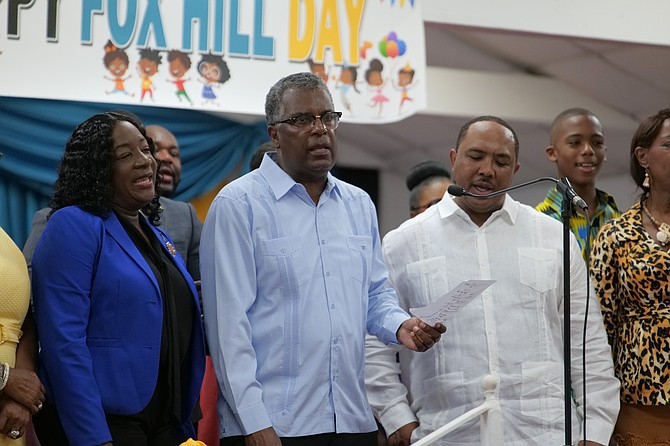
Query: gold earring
647,182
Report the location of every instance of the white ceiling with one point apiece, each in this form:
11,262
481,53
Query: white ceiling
629,80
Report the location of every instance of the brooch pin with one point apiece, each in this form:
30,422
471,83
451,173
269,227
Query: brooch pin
170,248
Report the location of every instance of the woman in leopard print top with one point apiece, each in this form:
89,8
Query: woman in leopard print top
631,274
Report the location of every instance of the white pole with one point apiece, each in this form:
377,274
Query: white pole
491,420
491,431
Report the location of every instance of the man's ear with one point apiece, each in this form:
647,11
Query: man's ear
274,136
551,153
272,133
452,157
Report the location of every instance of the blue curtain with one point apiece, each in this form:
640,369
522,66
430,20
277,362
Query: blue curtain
33,133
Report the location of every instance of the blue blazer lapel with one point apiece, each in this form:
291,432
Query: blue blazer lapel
168,246
116,230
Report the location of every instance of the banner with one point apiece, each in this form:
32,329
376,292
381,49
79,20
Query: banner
217,55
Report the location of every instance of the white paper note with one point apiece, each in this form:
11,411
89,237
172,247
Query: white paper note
445,306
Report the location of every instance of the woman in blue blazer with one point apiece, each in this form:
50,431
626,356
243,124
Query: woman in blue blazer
122,349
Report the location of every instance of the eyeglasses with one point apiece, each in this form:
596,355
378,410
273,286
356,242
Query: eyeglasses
330,120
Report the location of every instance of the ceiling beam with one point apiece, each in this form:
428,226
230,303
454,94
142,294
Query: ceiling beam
517,96
641,21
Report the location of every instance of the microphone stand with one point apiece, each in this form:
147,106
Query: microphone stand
569,198
459,191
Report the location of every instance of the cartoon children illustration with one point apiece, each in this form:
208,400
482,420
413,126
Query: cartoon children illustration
344,83
214,71
405,83
116,62
374,77
147,67
180,63
319,68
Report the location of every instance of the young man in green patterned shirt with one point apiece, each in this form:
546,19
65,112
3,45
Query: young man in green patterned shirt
577,146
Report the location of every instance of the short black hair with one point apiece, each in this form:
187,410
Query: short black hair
296,81
181,56
567,114
224,71
257,157
152,55
424,170
488,118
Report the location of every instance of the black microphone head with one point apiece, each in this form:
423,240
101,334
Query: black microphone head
564,186
456,191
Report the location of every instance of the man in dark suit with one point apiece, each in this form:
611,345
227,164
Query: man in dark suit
178,219
167,152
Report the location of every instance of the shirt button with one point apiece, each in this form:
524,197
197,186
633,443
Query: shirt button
283,251
490,332
332,306
323,242
363,248
327,274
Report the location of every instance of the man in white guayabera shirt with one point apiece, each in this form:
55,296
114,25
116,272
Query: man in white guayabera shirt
512,332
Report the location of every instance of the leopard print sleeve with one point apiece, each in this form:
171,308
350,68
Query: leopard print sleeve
604,267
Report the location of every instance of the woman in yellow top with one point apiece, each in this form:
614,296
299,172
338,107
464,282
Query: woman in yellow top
21,393
631,274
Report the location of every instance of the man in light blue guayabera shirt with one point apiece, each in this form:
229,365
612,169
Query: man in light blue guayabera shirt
292,280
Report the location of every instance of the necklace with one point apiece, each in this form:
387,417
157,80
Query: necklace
663,234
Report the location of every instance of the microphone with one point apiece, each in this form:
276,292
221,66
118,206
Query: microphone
563,186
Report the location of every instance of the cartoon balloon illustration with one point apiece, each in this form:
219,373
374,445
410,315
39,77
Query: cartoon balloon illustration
382,47
391,46
402,47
